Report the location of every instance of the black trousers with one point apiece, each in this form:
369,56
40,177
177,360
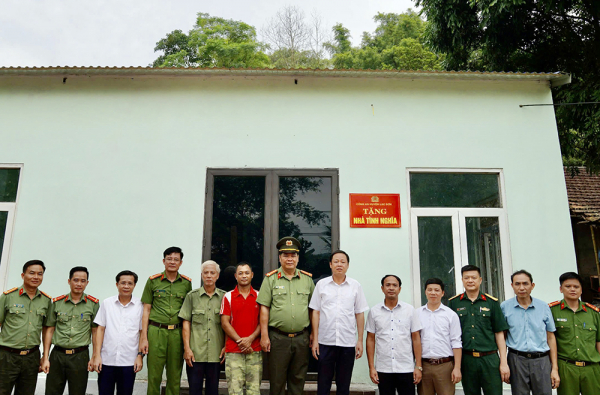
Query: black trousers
71,369
123,377
19,372
338,360
389,383
198,372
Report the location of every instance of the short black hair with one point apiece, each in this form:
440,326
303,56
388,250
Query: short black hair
570,276
392,275
339,252
173,250
243,263
79,269
127,273
470,268
435,281
522,272
32,263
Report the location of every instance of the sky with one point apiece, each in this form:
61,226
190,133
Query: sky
124,32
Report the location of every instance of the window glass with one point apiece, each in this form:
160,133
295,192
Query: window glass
454,190
9,182
483,246
3,221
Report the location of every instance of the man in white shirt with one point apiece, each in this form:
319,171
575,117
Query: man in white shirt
338,309
393,330
440,341
116,357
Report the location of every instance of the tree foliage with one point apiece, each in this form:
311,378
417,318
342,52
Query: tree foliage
213,42
530,36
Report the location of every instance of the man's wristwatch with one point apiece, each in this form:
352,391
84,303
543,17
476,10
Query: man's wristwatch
141,353
419,367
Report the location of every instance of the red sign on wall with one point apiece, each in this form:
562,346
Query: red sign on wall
374,210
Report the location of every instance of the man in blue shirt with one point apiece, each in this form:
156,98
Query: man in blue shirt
532,357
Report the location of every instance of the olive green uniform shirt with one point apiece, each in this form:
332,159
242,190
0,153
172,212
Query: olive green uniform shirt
73,321
287,299
206,335
22,318
576,332
480,321
165,297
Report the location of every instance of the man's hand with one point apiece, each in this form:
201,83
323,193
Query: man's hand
374,376
222,355
310,340
359,349
138,364
244,343
265,343
417,376
555,378
97,364
44,365
456,375
188,356
505,373
315,350
144,345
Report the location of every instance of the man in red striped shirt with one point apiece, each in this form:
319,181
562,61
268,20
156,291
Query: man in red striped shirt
240,321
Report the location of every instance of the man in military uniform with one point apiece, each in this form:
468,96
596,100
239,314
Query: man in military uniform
284,320
23,313
161,327
71,326
577,339
483,327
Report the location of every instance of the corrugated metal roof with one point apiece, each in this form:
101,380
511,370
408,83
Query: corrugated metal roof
555,79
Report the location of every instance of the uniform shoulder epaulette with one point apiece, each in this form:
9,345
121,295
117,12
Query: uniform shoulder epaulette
307,273
556,303
157,275
271,273
45,294
186,277
10,290
591,306
455,296
491,297
90,297
59,298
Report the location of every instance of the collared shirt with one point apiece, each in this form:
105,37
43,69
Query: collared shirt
393,336
244,313
528,328
166,297
73,321
206,335
480,321
441,332
338,305
123,324
287,299
22,318
576,332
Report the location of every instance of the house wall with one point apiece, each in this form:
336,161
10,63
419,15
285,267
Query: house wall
114,168
586,259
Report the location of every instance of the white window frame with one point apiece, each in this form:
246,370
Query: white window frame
459,237
11,208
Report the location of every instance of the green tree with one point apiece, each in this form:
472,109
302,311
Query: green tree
530,36
213,42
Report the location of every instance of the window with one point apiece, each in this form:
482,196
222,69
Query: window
9,187
458,217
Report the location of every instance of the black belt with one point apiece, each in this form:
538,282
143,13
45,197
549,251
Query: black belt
167,326
579,363
294,334
70,351
18,351
478,354
437,361
530,355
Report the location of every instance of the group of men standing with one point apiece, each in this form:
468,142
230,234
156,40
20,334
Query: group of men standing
432,347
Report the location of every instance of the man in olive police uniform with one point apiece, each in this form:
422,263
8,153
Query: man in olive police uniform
70,326
161,327
577,339
284,320
483,327
23,312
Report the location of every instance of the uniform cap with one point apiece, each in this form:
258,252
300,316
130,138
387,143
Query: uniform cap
288,244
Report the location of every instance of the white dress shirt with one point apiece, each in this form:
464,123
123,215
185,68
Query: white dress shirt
441,332
338,305
393,341
122,334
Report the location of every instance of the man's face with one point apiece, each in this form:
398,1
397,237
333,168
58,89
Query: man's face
571,289
33,276
289,260
391,288
209,275
244,275
339,264
522,285
126,285
471,280
173,262
434,293
78,283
